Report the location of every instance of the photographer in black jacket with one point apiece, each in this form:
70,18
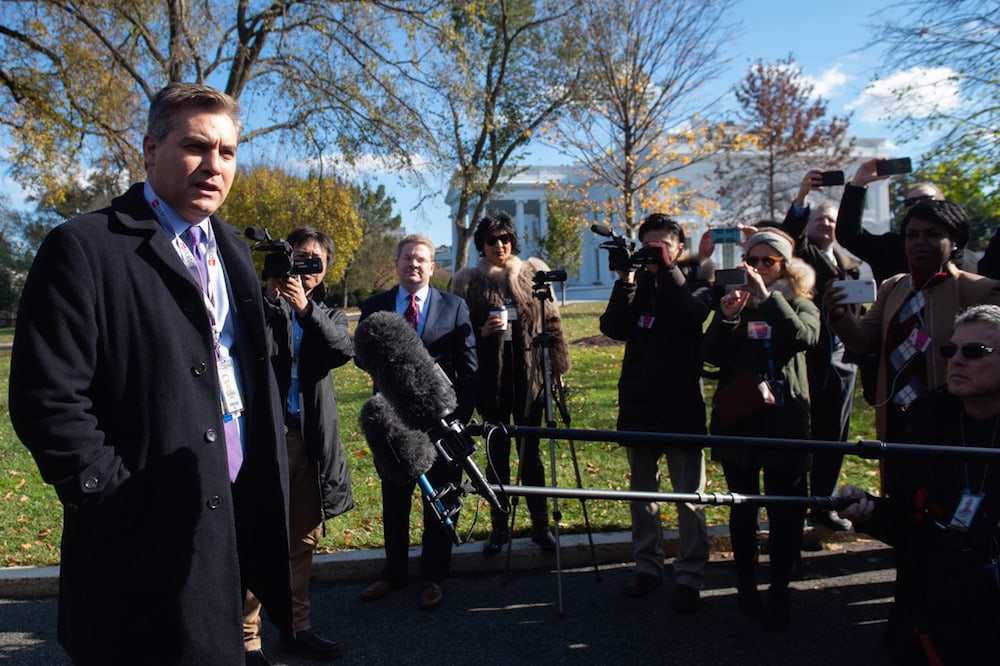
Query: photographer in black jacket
659,312
306,339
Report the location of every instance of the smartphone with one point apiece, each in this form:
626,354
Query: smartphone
726,235
893,167
855,291
832,178
731,277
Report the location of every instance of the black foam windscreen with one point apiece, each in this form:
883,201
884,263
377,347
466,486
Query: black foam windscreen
401,453
388,348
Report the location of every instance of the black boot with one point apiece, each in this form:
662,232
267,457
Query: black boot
747,595
540,533
499,535
777,615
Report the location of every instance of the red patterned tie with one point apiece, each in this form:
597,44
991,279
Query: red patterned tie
412,314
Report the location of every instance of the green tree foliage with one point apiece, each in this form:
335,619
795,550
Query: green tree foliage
961,38
280,202
639,123
560,245
76,77
371,268
498,70
21,233
786,132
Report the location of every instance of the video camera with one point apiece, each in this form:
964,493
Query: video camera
621,251
279,262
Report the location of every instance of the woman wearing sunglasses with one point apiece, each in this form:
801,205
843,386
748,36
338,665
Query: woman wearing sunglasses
506,317
758,339
914,314
943,521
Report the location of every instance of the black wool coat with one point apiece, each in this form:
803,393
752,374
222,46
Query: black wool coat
113,388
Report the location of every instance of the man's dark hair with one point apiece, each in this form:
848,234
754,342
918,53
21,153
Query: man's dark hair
495,220
952,216
660,222
169,101
303,234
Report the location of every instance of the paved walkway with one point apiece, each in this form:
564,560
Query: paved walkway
839,604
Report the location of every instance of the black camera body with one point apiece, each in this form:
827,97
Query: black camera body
621,251
278,260
544,277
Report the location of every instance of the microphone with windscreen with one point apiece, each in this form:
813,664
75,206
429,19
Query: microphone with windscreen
403,454
388,348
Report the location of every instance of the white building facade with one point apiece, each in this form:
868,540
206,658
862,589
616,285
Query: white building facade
525,200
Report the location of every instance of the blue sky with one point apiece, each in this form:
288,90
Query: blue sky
831,41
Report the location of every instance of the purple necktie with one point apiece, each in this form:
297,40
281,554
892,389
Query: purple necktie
234,448
193,241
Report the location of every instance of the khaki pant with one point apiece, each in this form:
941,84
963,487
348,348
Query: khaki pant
305,527
687,475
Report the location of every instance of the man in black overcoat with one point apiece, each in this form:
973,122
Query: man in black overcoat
141,384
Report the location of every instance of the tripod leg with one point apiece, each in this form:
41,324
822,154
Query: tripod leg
583,507
560,400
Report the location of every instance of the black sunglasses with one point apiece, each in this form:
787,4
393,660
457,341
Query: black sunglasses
910,202
765,262
971,351
502,238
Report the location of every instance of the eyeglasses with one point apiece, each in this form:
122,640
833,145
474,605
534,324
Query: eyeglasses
910,202
502,238
971,351
765,262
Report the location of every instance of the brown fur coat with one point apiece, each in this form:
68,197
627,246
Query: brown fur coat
486,287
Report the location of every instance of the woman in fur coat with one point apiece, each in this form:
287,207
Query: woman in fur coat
511,373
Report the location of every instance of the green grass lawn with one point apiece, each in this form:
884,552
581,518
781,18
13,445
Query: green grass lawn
30,514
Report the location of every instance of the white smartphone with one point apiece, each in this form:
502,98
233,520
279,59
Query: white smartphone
855,291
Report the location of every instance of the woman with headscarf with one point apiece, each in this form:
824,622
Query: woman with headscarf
511,371
758,338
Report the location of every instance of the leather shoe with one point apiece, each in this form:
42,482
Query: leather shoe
641,584
686,599
541,535
431,595
308,644
495,541
378,589
255,658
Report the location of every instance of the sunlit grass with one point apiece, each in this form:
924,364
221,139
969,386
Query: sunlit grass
31,517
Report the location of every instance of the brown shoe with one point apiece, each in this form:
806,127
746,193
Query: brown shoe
431,595
377,590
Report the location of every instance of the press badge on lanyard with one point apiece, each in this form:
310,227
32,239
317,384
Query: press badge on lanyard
232,403
758,330
966,510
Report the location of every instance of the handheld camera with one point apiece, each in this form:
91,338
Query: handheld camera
621,251
279,261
